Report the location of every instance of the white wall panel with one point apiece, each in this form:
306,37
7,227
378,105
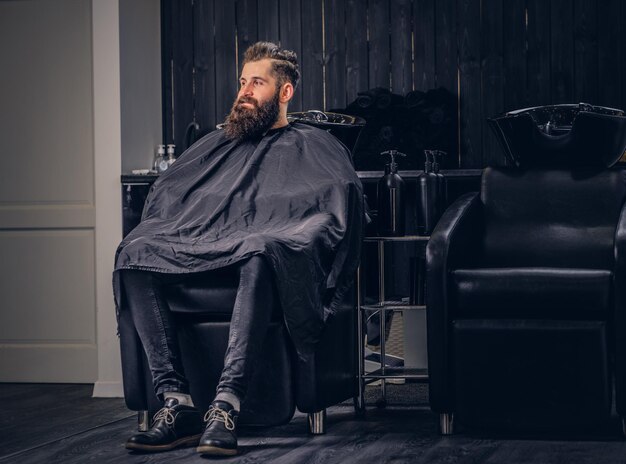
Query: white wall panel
40,216
58,363
49,294
46,120
47,213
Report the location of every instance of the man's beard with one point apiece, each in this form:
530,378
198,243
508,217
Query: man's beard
245,123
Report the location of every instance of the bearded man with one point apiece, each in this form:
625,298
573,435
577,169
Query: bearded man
281,204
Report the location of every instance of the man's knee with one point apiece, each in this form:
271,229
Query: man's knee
258,276
256,271
133,280
257,264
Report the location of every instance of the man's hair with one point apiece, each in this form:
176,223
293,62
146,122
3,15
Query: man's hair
284,62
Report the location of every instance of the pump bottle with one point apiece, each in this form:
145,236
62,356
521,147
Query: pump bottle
442,187
391,199
158,157
427,191
171,151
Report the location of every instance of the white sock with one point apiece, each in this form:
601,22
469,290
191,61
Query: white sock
229,398
182,398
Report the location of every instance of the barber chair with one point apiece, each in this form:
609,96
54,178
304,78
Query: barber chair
526,300
281,382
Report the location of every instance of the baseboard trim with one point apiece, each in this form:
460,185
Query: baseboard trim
108,389
48,362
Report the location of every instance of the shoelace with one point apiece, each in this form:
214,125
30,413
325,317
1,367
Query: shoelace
164,413
219,415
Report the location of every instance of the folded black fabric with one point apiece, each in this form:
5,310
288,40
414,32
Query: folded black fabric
292,196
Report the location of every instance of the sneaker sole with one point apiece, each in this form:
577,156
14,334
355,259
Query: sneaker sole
186,441
209,450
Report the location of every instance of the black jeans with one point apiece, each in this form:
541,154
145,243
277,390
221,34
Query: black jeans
155,325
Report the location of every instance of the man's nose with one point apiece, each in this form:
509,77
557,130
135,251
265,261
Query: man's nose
246,90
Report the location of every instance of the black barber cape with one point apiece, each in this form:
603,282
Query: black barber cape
291,196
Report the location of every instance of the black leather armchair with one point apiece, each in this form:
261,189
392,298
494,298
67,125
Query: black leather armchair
526,301
281,381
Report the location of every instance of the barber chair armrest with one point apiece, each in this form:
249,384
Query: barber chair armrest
329,375
454,241
620,313
457,234
132,357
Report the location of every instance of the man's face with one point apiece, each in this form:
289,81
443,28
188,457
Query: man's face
256,108
257,83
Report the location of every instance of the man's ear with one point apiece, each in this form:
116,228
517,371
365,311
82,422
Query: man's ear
286,92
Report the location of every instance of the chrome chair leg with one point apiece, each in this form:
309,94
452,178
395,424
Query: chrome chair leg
317,422
143,421
359,405
446,423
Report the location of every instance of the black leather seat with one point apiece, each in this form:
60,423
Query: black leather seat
526,301
281,381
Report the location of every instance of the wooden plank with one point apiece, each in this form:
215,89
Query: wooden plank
447,67
610,70
226,72
424,44
401,60
335,79
562,50
167,89
538,37
95,429
378,27
515,64
182,69
586,51
312,55
470,83
291,38
494,42
29,401
446,45
247,27
267,12
204,62
622,52
357,78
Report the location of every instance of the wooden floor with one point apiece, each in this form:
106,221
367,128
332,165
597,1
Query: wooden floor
63,424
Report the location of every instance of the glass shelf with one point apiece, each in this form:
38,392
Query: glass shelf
397,373
403,238
392,306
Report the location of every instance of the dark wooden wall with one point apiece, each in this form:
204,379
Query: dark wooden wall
494,55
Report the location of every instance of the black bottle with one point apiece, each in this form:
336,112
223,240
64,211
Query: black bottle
391,199
427,194
442,186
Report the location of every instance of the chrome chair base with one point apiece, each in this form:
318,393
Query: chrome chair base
446,424
317,422
143,421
